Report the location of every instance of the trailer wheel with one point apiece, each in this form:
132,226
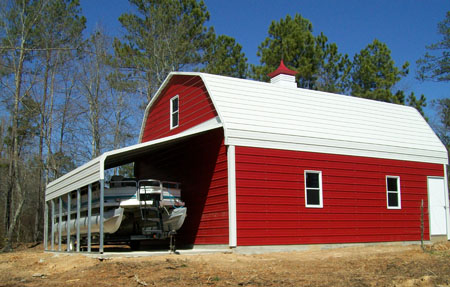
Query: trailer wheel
135,245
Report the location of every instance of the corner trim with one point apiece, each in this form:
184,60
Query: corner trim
232,225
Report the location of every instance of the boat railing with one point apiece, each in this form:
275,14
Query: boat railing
122,183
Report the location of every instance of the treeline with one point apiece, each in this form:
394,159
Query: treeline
67,97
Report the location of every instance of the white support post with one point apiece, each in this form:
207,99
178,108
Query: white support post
68,222
53,219
89,216
102,193
232,224
78,219
60,224
45,226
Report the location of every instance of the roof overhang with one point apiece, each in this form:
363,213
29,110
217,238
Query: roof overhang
93,170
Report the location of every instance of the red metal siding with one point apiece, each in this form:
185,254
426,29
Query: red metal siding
200,164
271,198
195,108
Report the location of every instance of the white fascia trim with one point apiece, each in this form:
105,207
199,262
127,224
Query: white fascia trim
75,171
327,149
102,165
211,124
204,76
232,222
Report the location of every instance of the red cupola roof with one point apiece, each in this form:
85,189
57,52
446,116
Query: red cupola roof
282,69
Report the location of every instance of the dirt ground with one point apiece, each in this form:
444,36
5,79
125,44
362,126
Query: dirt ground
379,265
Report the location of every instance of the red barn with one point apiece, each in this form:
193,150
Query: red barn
272,164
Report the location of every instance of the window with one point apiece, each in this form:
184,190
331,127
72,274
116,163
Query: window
174,112
313,189
393,192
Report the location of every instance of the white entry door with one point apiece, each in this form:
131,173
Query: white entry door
436,193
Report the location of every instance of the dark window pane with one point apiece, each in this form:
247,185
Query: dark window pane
175,105
174,119
312,180
312,197
392,199
392,184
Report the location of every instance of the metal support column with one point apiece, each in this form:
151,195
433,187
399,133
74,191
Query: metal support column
60,224
89,216
53,224
45,226
69,195
102,193
78,219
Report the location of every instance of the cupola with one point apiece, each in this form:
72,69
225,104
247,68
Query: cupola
283,76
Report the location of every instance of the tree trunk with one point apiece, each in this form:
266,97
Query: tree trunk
42,135
48,136
9,234
14,162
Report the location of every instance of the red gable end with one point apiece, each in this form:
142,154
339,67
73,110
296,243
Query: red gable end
195,107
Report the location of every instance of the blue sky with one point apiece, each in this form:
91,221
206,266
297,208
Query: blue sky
406,26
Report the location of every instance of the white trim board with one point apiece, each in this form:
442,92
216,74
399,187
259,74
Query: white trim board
232,220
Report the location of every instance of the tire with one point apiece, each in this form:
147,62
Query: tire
135,245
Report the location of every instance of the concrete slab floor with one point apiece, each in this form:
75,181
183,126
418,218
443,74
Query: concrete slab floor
132,254
208,249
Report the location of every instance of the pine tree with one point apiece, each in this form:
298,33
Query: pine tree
223,56
317,62
164,36
374,74
435,65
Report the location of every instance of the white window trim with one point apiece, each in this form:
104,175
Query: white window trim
320,190
172,112
398,193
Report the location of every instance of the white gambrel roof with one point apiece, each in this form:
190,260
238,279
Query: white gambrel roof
265,115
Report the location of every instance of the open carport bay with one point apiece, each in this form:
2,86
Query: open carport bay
197,161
